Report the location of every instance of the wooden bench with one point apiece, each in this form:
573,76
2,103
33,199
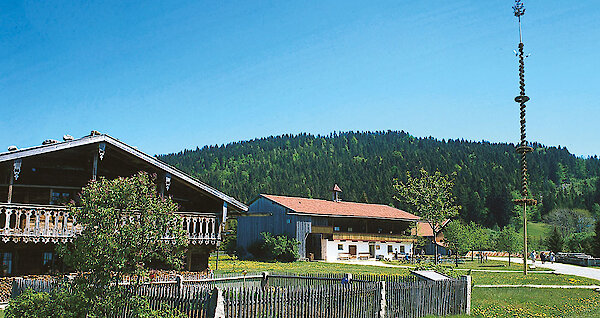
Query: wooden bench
364,255
343,256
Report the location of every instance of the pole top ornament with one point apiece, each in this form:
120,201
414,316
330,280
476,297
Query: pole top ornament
519,8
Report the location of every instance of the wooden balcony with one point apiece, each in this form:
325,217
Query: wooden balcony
372,237
46,223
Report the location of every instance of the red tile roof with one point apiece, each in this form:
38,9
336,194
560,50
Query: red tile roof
424,229
349,209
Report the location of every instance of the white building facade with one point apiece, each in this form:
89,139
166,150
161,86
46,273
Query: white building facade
345,250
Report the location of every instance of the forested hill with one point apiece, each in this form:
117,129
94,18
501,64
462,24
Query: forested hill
365,164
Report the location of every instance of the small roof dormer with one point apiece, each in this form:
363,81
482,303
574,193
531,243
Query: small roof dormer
336,193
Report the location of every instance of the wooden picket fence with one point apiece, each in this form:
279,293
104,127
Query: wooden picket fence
289,295
424,298
347,300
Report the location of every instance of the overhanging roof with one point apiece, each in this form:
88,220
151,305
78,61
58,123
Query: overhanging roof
318,207
87,140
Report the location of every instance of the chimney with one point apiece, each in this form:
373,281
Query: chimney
336,193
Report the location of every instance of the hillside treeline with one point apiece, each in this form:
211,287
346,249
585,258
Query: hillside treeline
365,165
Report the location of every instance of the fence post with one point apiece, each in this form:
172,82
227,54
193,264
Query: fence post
16,283
347,278
216,307
179,282
467,280
264,282
383,301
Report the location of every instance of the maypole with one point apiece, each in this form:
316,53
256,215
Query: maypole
523,148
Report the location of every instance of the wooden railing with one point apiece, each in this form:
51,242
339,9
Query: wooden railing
46,223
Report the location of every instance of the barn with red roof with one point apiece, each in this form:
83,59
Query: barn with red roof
329,229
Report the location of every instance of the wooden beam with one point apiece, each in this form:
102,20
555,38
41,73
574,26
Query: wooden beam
10,185
40,186
95,166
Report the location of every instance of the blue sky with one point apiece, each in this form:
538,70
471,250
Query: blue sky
170,75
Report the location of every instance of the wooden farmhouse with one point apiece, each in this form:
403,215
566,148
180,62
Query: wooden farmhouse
37,181
330,230
423,229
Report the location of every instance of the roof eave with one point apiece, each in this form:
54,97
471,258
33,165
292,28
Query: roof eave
42,149
351,216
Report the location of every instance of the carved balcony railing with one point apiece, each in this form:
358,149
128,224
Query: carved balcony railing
44,223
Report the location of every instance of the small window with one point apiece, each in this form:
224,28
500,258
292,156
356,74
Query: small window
337,228
340,247
47,259
59,198
349,229
402,249
6,262
390,249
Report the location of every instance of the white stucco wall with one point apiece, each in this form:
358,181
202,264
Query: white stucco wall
363,247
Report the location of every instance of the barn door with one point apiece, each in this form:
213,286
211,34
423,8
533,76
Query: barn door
303,228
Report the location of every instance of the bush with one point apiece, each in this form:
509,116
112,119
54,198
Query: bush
275,248
59,303
68,303
580,242
30,304
229,245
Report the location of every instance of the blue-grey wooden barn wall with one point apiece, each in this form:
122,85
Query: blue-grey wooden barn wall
268,217
265,215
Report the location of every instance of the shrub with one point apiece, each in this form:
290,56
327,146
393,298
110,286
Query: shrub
229,245
275,248
59,303
30,304
69,303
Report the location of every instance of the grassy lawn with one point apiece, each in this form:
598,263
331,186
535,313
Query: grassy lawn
486,278
531,302
229,265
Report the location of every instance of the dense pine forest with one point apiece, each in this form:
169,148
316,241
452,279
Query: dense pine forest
365,165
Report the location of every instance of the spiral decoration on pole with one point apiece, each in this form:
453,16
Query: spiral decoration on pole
523,148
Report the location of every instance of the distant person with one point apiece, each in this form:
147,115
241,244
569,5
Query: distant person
552,257
532,256
542,257
396,254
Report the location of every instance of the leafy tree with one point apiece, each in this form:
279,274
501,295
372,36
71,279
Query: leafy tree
555,240
596,241
570,220
579,242
507,241
456,238
124,225
479,238
429,197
